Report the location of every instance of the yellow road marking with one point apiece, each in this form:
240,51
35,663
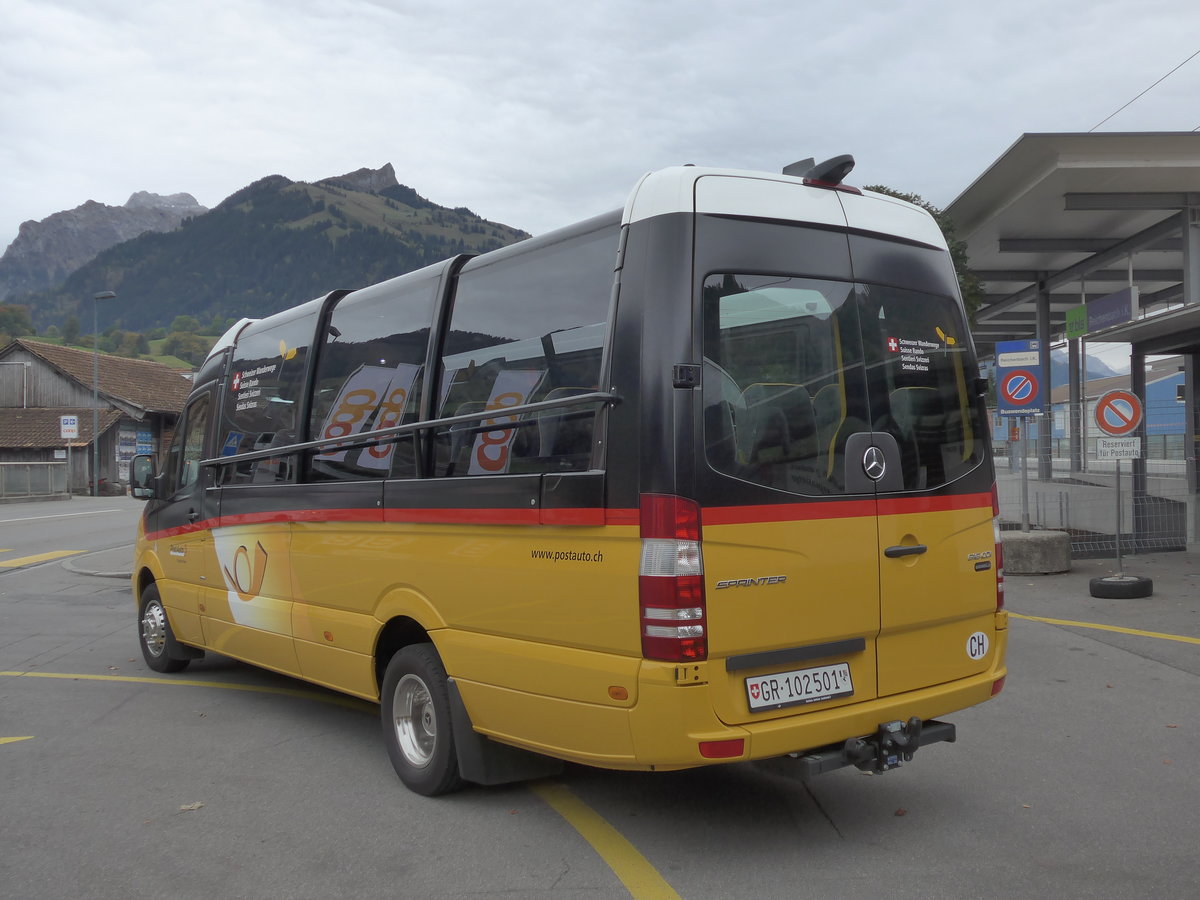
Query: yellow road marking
13,740
639,877
1134,631
334,699
36,558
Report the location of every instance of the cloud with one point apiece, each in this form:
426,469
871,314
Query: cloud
538,113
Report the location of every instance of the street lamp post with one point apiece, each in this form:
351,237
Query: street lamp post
103,295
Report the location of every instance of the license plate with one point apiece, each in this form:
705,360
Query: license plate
799,686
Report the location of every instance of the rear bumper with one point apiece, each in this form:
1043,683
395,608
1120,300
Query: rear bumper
670,722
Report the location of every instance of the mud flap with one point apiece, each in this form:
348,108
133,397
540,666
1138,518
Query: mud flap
484,761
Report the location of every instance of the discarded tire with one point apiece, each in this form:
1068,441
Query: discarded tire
1121,587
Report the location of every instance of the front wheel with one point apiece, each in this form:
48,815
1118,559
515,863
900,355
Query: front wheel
155,635
414,706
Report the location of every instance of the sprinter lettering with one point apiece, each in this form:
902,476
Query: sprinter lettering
751,582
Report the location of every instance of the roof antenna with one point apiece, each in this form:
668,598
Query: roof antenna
832,171
799,169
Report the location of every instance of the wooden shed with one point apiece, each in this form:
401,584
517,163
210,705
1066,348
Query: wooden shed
139,403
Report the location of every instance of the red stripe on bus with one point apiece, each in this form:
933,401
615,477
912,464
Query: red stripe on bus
896,506
843,509
788,512
622,517
191,527
273,517
338,515
465,516
712,515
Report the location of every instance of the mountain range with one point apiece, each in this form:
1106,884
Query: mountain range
267,247
45,253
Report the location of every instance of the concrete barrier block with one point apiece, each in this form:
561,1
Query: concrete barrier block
1036,552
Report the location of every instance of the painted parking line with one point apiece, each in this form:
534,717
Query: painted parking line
90,512
37,558
1182,638
13,740
639,877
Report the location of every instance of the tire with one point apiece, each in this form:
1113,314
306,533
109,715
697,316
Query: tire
1121,587
159,647
414,708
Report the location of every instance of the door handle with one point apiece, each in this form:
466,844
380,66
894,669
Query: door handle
904,550
193,515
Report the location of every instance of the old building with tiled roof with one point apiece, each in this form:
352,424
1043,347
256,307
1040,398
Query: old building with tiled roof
139,402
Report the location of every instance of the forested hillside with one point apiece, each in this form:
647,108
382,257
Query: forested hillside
271,245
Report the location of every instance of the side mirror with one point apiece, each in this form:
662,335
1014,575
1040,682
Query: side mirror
142,477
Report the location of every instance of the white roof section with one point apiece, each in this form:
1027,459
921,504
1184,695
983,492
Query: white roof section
776,196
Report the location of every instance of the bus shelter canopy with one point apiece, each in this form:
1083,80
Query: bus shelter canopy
1079,217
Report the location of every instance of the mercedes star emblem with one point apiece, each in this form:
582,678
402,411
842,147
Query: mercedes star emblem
873,463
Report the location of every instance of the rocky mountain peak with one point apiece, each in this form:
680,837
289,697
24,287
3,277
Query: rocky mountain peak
368,181
46,252
147,200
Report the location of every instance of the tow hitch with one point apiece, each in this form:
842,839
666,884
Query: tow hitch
892,744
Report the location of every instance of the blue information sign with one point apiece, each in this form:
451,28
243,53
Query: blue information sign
1019,388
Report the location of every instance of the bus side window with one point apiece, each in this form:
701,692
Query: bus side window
369,373
182,468
266,380
527,328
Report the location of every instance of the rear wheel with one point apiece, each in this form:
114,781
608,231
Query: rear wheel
415,711
159,647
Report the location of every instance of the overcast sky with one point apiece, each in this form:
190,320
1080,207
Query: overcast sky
540,113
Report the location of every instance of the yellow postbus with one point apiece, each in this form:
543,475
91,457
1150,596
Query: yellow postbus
703,480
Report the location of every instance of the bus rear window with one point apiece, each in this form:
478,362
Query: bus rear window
794,366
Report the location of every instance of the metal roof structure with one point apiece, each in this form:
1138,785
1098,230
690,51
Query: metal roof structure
1078,217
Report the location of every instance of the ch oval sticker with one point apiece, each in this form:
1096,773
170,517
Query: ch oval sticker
977,645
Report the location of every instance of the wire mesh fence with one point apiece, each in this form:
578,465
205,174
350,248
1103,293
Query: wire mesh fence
1070,486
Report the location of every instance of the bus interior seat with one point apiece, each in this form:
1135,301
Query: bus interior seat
921,418
836,465
782,425
827,409
724,406
720,439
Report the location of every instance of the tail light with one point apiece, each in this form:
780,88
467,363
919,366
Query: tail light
671,580
999,552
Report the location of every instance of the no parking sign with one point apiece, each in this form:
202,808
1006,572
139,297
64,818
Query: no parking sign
1118,413
1019,391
